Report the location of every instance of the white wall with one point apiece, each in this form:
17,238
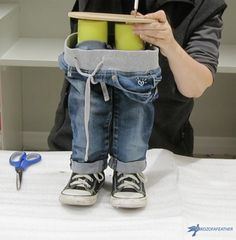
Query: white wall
214,114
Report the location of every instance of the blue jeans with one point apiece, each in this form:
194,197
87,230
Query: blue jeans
119,114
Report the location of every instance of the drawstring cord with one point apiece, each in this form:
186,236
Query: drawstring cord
87,103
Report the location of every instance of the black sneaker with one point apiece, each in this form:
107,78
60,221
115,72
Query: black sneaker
82,189
128,190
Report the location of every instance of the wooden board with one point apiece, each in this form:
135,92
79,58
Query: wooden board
109,17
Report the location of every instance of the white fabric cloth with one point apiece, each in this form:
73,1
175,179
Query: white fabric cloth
182,192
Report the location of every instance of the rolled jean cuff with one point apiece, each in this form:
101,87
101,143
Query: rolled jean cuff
88,167
127,167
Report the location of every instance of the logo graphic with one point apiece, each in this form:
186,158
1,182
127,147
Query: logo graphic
194,229
197,228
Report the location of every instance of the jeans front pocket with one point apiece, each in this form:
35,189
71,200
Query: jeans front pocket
140,87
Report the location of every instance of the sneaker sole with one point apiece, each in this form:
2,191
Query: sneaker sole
78,200
128,203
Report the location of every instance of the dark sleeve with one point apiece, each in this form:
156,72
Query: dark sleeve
73,21
204,43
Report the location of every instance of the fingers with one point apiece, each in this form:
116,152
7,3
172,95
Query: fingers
158,35
160,16
155,30
149,27
152,40
135,14
161,22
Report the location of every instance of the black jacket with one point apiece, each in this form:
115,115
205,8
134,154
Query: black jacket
172,129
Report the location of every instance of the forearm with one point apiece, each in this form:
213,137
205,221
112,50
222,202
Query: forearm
192,78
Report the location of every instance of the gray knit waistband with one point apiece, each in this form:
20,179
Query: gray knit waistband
126,61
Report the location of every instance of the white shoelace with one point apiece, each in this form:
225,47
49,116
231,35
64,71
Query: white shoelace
80,180
128,183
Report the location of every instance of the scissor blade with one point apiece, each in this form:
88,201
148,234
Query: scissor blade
18,179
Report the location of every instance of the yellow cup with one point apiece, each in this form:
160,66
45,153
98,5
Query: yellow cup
125,39
92,30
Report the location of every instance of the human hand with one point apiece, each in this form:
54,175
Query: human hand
158,33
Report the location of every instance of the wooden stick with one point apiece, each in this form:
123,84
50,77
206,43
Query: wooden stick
126,18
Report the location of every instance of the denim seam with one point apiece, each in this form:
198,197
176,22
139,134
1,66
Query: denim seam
115,128
107,127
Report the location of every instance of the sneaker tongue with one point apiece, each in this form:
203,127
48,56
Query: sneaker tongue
128,188
76,184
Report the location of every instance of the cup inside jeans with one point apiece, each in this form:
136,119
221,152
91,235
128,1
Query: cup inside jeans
92,30
126,39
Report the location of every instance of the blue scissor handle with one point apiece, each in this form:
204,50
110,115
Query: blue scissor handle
30,159
16,159
21,160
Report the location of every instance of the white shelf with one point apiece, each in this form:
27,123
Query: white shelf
6,8
227,60
43,52
33,52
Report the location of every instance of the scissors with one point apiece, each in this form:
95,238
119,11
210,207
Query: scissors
21,161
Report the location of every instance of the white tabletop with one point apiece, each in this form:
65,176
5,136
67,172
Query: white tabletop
182,192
